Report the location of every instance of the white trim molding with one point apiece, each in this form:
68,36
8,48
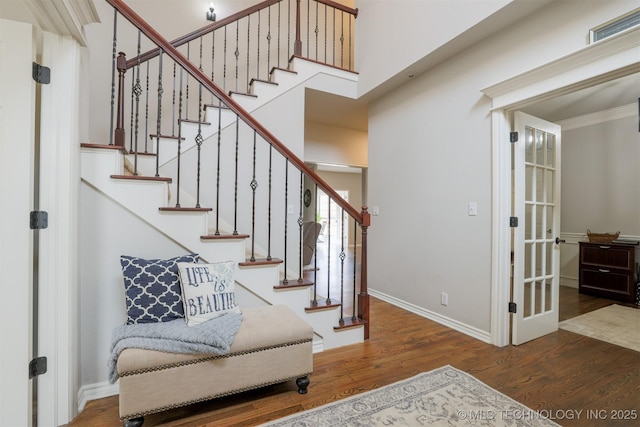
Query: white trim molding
64,17
622,112
438,318
609,59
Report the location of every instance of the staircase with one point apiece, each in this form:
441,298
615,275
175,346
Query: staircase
152,185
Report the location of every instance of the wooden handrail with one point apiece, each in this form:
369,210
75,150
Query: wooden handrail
226,21
361,217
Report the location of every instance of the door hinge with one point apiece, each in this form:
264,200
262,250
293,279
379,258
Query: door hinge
41,74
512,307
37,366
38,220
513,221
513,136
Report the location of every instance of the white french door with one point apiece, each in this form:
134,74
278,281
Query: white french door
536,204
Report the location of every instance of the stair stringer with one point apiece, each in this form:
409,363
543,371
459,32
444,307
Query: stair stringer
142,198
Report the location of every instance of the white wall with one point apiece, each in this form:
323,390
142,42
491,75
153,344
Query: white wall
430,154
334,145
107,231
392,35
600,185
601,178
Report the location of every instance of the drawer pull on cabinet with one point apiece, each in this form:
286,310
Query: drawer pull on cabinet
605,247
603,270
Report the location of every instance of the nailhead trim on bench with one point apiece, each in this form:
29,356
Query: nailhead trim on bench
213,357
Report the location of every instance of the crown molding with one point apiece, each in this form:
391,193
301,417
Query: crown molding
629,110
64,17
617,54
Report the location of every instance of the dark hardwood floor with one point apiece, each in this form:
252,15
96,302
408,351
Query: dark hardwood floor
570,376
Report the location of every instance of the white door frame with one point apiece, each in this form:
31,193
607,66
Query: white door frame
606,60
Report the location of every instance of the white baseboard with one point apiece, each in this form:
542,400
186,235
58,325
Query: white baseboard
569,282
96,391
438,318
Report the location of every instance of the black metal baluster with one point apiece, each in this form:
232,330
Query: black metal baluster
199,139
133,85
342,258
300,225
342,40
288,33
237,51
355,259
308,25
258,52
113,74
268,43
315,251
186,113
328,250
254,186
269,211
333,39
316,31
137,90
217,233
173,104
213,49
159,115
286,216
350,42
224,63
146,114
248,49
179,142
235,193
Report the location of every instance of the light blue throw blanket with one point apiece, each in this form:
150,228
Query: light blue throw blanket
214,336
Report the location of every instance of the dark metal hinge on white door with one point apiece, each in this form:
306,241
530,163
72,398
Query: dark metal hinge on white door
41,74
513,136
513,221
512,307
38,220
37,366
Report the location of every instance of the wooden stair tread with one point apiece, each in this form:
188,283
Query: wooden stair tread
283,69
103,146
262,81
143,178
322,305
155,135
184,209
193,121
140,153
349,322
295,283
260,261
242,93
225,236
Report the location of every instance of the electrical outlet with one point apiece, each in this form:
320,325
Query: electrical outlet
290,209
444,298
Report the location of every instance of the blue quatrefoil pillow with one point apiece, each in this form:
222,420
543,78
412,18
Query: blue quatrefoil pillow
152,288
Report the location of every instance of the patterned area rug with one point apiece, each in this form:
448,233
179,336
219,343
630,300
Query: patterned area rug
442,397
614,324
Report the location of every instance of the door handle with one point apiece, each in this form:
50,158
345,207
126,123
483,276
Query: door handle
559,240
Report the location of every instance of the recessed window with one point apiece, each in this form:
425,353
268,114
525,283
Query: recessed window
622,23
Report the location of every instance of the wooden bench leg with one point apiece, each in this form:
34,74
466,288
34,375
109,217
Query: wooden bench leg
134,422
302,383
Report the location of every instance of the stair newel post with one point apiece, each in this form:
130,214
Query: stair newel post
121,65
297,47
363,296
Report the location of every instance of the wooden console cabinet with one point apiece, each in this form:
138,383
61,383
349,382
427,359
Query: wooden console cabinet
607,270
